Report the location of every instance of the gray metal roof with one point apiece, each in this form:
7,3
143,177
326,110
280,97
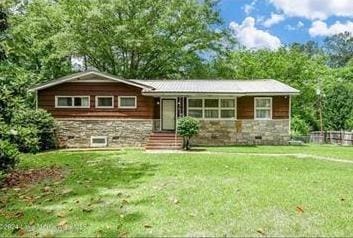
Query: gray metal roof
186,87
195,86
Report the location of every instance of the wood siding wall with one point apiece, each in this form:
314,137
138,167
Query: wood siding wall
147,107
144,110
280,107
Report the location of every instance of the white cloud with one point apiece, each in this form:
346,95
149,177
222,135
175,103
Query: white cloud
320,28
251,37
248,8
273,20
299,25
315,9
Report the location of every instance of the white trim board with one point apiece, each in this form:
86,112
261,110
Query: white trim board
88,73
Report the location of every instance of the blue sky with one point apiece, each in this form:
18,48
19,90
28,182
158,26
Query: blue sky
271,23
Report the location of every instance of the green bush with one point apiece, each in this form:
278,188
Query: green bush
39,121
187,128
8,156
299,126
26,138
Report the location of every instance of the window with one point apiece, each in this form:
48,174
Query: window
72,101
99,141
104,101
195,107
127,101
263,108
212,108
228,108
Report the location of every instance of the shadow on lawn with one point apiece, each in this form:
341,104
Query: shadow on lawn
94,198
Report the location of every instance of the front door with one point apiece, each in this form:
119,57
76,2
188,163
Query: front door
168,114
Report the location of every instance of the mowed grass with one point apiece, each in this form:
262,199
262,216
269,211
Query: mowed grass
214,193
331,151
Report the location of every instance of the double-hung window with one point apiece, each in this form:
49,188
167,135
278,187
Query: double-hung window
195,107
212,108
263,108
72,101
227,107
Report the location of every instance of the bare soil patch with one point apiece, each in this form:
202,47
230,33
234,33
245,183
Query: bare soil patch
23,178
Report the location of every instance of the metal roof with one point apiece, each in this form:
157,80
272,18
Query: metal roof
186,87
195,86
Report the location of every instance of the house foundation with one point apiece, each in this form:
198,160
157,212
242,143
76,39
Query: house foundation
77,133
243,132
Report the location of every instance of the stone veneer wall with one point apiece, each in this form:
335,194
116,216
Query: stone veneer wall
76,133
230,132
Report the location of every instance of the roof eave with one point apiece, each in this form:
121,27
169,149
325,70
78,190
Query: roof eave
86,73
239,94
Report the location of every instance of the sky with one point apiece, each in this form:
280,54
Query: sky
258,24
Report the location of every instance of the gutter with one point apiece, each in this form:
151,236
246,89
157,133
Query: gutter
220,94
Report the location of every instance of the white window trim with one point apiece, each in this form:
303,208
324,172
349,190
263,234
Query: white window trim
72,98
99,145
263,108
97,106
219,108
127,107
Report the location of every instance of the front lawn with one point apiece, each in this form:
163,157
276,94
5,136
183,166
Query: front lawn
229,191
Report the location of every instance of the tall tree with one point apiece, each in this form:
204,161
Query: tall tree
3,28
131,38
289,65
339,49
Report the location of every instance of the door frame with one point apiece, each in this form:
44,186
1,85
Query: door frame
175,110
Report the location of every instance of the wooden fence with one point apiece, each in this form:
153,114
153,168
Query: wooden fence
332,137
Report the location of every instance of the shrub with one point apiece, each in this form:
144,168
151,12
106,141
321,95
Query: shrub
8,156
42,122
187,128
299,126
26,138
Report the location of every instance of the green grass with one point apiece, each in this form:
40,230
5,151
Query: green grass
217,193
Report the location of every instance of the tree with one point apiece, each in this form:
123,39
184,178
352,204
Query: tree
130,38
188,127
339,49
338,106
290,65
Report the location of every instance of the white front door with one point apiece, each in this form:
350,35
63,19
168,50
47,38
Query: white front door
168,114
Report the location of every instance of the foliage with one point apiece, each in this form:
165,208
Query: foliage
40,39
289,65
339,49
338,106
188,127
42,124
26,128
299,126
8,156
131,38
